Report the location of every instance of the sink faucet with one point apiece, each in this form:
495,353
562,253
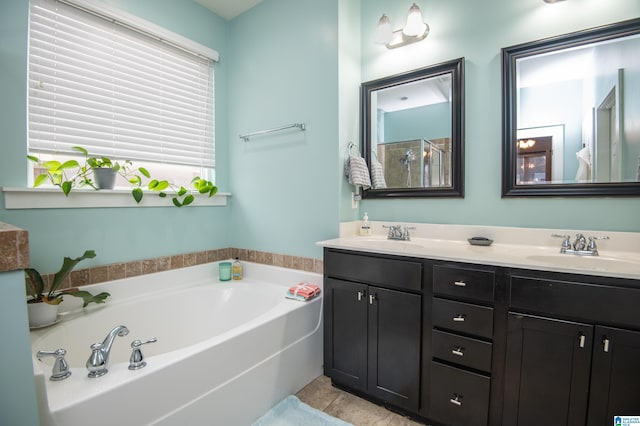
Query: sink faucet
398,232
580,245
97,362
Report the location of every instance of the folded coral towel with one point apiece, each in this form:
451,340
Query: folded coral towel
356,170
303,291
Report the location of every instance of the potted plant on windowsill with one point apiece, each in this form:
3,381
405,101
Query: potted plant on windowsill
72,174
42,306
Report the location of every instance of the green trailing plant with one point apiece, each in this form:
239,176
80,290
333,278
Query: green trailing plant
71,174
36,288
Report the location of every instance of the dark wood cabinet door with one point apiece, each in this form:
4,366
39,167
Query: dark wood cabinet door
394,346
547,371
345,315
615,377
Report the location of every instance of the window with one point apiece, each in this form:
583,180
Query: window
118,89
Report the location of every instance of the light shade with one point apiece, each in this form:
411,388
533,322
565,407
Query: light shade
552,1
384,33
415,25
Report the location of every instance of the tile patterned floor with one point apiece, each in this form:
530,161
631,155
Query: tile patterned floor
322,396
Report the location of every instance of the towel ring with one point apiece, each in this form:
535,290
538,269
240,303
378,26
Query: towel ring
352,145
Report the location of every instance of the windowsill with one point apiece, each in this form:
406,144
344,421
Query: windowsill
54,198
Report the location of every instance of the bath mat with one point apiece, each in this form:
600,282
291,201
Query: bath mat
293,412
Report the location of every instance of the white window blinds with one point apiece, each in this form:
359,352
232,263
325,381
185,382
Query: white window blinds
115,91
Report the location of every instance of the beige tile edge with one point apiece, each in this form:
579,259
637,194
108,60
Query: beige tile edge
14,248
115,271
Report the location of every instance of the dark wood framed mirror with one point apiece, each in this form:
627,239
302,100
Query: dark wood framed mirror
570,114
413,132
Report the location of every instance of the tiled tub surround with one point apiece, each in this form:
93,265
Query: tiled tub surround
14,248
115,271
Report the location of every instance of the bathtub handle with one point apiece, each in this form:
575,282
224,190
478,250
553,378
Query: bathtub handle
136,361
60,367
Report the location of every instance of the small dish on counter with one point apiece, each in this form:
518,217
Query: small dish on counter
480,241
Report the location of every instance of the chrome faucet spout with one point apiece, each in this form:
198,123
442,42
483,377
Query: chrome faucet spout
97,362
121,331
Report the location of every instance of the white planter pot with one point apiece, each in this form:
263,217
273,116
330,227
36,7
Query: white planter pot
105,178
41,314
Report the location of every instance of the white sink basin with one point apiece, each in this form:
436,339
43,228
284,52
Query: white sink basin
383,243
600,263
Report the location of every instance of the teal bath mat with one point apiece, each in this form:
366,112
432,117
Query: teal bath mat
293,412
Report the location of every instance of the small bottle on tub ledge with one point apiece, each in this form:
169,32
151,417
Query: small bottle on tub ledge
236,270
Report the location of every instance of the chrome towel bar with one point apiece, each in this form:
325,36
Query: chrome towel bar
300,126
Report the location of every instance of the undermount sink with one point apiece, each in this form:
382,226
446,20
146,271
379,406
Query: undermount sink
602,263
383,243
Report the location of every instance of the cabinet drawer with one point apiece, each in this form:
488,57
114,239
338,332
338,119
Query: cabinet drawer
470,284
461,350
458,397
384,272
463,317
600,303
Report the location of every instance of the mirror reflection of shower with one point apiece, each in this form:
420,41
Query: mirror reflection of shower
406,160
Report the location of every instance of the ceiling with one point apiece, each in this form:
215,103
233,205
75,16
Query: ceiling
228,9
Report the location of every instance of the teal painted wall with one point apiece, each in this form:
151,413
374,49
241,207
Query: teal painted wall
284,57
477,31
428,122
18,406
116,234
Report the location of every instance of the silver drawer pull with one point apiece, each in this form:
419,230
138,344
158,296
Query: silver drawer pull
372,297
459,318
360,295
458,351
460,283
582,340
456,400
605,344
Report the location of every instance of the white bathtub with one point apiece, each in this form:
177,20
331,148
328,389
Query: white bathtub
226,351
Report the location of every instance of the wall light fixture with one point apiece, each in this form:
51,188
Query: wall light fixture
553,1
414,30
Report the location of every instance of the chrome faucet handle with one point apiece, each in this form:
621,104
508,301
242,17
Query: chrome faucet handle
136,361
60,367
97,364
566,243
592,246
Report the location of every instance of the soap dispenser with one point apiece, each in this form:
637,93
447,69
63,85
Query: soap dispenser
365,226
236,270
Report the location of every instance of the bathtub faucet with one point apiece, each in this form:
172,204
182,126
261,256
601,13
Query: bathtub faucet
97,362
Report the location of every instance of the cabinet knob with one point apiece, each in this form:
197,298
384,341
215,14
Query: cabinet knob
456,400
458,351
460,283
459,318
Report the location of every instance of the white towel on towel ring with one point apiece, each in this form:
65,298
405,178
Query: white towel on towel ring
377,175
357,172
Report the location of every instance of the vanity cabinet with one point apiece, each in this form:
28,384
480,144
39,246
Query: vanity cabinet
565,363
462,344
373,326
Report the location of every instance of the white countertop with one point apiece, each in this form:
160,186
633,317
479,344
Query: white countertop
527,248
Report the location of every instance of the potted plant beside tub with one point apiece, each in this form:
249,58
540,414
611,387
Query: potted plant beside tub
42,306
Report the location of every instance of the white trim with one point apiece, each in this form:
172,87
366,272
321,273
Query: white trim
53,198
133,22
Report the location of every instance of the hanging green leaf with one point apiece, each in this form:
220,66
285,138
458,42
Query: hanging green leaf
188,200
176,202
66,187
137,194
40,179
